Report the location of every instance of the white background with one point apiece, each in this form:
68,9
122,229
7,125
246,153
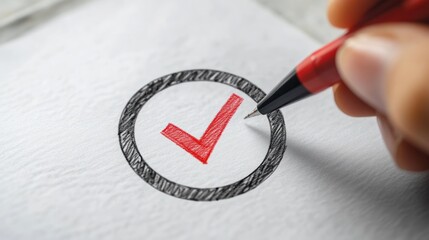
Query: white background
191,107
62,173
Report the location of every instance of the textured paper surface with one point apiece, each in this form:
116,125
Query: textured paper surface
308,15
13,10
62,172
240,150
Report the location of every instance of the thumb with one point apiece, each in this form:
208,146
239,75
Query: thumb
387,66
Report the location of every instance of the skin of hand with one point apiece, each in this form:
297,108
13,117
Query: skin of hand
385,72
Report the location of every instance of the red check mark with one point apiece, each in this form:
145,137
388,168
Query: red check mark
203,147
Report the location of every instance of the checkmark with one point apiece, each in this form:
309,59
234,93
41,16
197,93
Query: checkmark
203,147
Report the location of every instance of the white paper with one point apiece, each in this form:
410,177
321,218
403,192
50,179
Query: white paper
192,106
62,172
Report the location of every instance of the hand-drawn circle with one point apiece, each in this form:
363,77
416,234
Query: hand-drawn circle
129,147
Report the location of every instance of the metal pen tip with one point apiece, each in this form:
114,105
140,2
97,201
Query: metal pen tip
254,113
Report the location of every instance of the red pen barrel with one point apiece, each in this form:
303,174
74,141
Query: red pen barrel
318,71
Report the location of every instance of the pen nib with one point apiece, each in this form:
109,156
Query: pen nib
253,114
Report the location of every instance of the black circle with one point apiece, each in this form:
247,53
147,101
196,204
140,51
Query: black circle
129,148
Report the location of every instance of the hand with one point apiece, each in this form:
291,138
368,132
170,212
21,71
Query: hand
385,69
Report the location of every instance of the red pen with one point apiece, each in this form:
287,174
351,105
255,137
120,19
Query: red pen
318,71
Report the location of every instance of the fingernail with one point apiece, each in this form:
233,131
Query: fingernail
363,63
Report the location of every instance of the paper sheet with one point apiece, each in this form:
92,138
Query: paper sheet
62,172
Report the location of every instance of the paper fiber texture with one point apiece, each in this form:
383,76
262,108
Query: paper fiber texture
63,174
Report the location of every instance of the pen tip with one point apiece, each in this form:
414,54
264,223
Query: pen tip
254,113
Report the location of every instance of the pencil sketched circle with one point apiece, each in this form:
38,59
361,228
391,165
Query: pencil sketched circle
138,164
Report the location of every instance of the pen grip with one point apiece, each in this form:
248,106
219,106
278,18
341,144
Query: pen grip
318,72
